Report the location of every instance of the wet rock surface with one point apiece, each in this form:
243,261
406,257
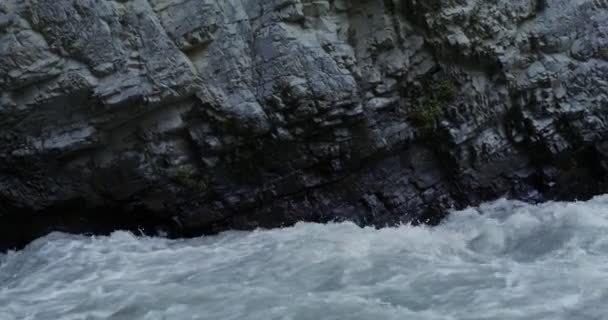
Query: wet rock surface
183,117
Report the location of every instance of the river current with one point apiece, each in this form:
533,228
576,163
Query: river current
502,260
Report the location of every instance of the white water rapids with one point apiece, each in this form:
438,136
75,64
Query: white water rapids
503,260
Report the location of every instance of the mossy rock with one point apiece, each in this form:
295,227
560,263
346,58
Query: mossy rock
187,177
439,95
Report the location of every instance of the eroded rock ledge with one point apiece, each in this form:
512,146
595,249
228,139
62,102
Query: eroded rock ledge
192,116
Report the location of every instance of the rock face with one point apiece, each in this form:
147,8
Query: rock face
192,116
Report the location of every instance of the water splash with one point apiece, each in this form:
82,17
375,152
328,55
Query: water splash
503,260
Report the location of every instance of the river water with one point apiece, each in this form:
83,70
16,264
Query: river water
502,260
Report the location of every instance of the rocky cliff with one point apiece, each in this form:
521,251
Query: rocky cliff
193,116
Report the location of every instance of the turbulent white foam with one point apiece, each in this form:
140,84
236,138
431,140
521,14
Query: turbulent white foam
514,261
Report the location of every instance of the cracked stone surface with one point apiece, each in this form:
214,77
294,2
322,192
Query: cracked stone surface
184,117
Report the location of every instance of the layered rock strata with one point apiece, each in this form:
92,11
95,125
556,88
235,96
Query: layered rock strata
192,116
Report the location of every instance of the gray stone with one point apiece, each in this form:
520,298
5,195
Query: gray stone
199,116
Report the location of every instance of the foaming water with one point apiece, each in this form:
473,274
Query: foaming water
504,260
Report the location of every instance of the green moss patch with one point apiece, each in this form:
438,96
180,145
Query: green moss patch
439,95
187,177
